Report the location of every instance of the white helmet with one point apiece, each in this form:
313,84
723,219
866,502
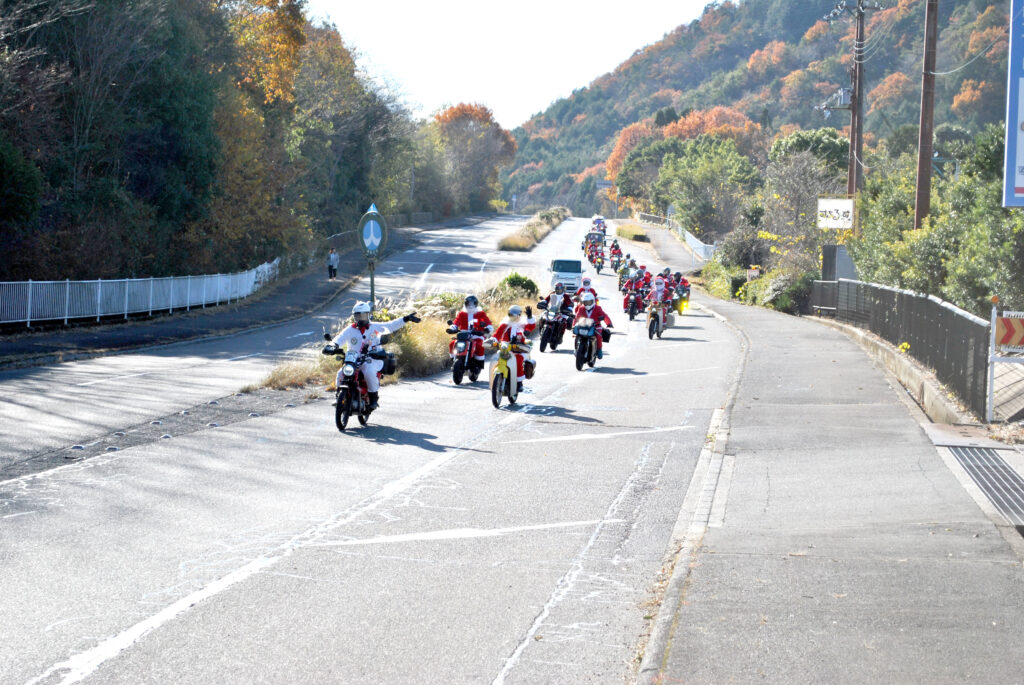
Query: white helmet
514,313
588,300
361,312
586,282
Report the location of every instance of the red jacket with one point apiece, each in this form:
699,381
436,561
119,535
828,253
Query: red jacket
480,321
597,314
506,331
579,293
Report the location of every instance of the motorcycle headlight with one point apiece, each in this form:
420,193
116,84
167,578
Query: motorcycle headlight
348,370
460,346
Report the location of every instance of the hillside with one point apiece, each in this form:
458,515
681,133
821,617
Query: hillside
773,62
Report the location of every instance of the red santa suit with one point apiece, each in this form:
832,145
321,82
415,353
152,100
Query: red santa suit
478,323
599,317
516,332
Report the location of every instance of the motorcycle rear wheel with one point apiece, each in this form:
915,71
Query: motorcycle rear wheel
497,389
342,409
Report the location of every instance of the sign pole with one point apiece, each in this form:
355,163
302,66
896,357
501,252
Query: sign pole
373,295
991,365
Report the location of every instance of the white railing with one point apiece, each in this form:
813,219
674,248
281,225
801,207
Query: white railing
702,250
30,301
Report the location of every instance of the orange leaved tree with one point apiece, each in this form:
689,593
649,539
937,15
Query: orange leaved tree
475,148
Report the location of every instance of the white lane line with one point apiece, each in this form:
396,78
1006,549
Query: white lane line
567,582
114,378
80,666
601,436
299,335
423,279
20,513
458,534
246,356
483,266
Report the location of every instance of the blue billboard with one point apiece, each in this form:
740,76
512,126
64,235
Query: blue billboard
1013,167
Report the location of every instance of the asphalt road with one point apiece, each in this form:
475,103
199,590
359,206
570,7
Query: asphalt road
447,542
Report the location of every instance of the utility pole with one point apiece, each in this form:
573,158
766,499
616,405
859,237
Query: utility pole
923,201
855,166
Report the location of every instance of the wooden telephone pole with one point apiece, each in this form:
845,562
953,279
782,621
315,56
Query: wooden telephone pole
855,169
923,200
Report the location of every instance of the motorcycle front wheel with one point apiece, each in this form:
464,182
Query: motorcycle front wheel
545,338
342,409
581,354
632,311
497,389
458,369
652,328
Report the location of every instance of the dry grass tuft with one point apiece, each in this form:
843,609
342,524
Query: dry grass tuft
422,348
319,371
632,232
535,230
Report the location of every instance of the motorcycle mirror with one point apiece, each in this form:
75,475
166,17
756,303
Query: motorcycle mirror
450,322
327,336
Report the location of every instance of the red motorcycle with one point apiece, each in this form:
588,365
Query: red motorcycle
351,396
461,350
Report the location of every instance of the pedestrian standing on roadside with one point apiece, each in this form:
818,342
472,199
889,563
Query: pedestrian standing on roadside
332,264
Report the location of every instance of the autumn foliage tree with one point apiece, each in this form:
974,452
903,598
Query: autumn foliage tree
475,148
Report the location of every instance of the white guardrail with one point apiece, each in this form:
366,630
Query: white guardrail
702,250
30,301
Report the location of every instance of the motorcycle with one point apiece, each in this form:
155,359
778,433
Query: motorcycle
461,351
681,299
616,265
599,264
504,372
657,320
585,330
351,396
636,298
552,326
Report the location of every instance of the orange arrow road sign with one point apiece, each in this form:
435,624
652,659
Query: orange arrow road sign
1009,331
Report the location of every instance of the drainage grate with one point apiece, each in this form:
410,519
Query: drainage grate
1001,484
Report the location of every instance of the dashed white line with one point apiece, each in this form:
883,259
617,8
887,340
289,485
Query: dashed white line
457,534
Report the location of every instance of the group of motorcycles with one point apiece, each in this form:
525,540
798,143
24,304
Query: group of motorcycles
658,314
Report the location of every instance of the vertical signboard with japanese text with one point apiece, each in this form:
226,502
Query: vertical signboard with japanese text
1013,167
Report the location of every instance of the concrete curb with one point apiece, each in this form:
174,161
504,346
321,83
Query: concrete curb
704,502
919,382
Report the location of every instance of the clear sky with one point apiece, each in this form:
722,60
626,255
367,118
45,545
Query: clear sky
514,57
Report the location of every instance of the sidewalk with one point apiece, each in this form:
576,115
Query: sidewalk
295,297
840,547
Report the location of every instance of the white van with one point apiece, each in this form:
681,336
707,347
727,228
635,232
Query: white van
568,272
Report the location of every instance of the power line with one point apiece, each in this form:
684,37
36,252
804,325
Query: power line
970,61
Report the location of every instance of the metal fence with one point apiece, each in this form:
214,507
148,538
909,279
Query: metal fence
702,250
28,301
947,339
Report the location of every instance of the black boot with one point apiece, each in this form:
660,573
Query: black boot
372,397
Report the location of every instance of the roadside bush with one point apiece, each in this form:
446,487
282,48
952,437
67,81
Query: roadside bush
784,290
722,281
535,230
517,280
632,232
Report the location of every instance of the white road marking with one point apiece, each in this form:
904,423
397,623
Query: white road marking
487,257
246,356
299,335
568,581
423,279
457,534
113,378
20,513
80,666
601,436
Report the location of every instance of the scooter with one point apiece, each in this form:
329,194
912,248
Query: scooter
681,299
599,264
657,320
504,372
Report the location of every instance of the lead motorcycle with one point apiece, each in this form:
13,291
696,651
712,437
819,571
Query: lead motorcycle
552,326
350,395
657,319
